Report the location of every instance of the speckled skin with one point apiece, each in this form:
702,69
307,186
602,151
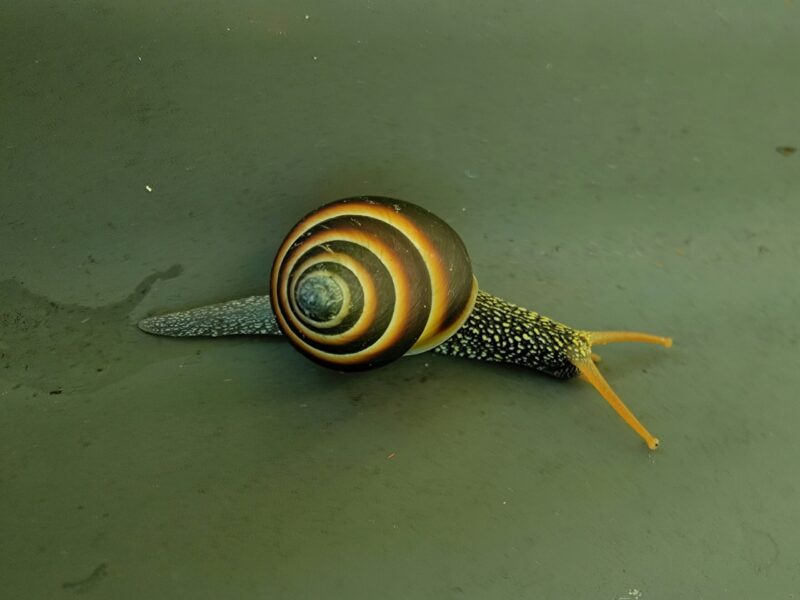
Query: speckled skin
244,316
498,331
495,331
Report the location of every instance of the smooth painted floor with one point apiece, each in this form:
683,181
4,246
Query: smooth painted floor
612,165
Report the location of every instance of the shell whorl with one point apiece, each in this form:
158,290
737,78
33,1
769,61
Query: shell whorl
362,281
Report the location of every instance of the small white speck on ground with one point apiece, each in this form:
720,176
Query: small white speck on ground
148,188
307,17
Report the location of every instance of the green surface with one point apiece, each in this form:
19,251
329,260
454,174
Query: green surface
612,165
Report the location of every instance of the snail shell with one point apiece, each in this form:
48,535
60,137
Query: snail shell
362,281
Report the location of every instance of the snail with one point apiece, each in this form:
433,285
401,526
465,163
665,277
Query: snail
362,281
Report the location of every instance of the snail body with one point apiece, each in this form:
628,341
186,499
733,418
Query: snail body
360,282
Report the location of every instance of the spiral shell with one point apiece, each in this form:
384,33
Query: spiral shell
362,281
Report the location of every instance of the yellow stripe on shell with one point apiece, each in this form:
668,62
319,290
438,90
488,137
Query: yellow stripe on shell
423,345
367,282
402,307
370,302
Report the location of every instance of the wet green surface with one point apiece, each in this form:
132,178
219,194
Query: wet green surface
613,166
